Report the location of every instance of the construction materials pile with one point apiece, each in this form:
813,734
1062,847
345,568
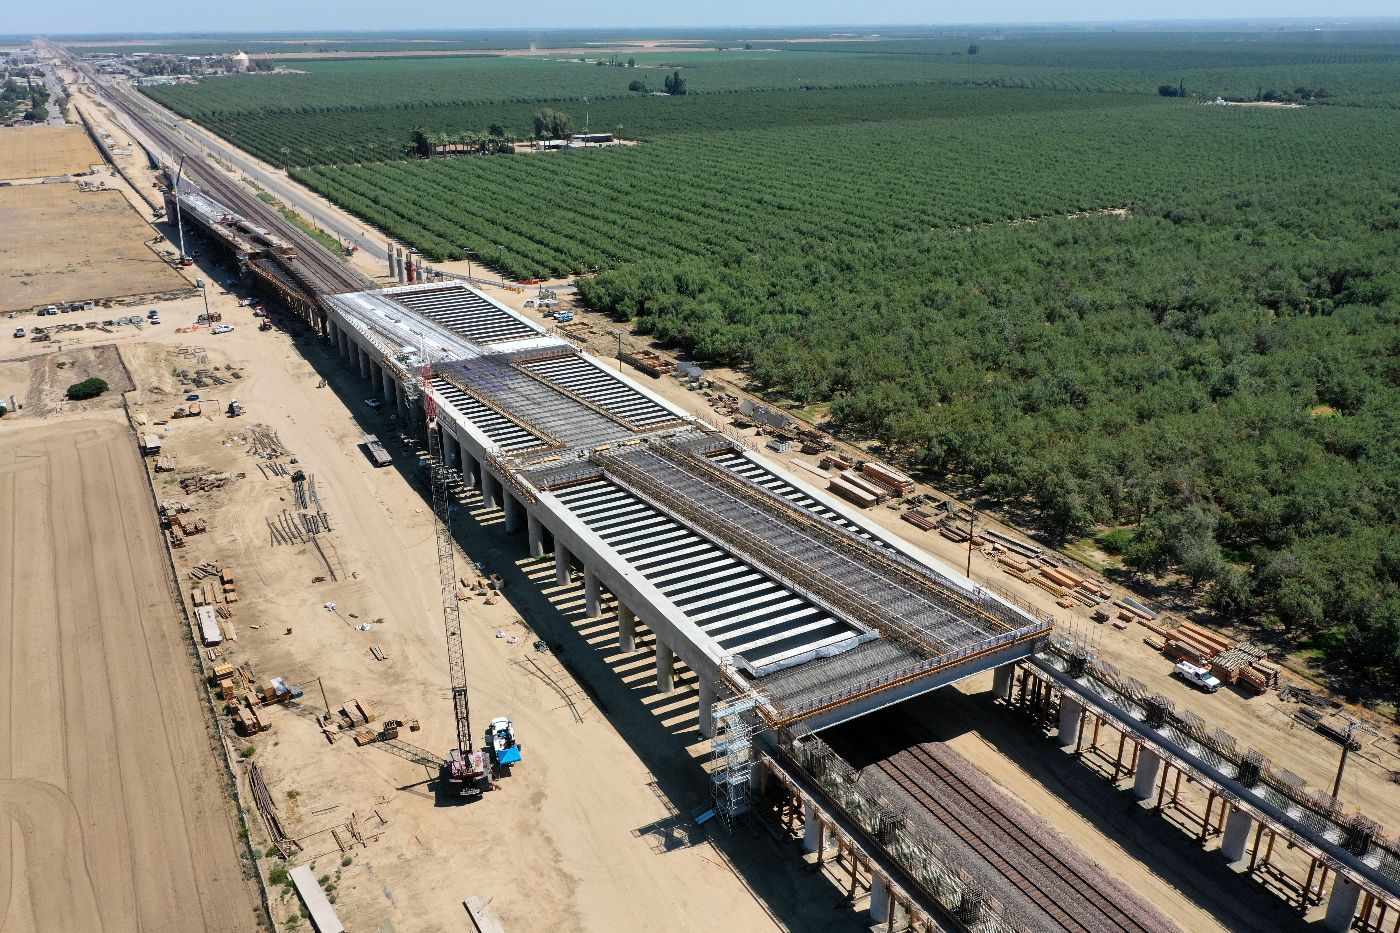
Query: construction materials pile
648,361
867,483
205,482
216,587
1067,586
1241,663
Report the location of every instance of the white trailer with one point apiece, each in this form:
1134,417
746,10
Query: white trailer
208,625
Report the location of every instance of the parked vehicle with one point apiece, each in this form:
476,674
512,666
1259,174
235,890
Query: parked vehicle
19,331
377,454
222,329
1197,676
374,403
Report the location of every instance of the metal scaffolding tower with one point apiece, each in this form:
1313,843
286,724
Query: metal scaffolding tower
732,759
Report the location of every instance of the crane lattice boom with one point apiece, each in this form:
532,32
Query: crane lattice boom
466,763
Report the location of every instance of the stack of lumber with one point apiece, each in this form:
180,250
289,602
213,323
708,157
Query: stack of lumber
1259,675
187,527
1195,644
860,482
1014,566
919,519
837,461
887,478
851,492
230,590
954,533
648,361
1086,590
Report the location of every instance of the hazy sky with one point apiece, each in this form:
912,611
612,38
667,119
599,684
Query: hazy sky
72,16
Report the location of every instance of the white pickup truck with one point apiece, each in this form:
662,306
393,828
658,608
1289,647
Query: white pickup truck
1199,676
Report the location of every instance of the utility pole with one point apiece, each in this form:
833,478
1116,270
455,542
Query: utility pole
971,523
618,335
1346,750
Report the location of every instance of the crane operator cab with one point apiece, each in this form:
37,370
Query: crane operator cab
467,773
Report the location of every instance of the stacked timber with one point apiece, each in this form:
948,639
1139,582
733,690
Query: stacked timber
1193,643
648,361
955,533
835,460
1012,565
887,478
851,493
1245,664
855,479
919,519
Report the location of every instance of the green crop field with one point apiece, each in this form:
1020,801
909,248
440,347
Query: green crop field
1118,314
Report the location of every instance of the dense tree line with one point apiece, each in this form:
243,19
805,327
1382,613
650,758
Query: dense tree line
1219,381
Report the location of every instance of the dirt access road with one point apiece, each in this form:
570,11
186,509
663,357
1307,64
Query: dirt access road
114,814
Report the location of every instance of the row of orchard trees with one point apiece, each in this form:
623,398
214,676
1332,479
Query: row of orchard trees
428,143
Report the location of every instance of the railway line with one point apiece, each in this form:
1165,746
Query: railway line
322,272
1072,895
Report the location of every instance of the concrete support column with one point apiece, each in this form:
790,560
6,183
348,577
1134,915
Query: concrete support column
626,628
1341,906
535,530
879,899
811,828
490,489
331,331
400,405
511,507
340,341
665,667
387,396
1070,712
364,361
1149,763
707,709
451,452
592,594
1236,837
562,559
1002,679
470,470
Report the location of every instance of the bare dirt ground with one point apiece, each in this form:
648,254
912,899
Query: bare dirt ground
592,832
41,151
39,383
115,816
63,244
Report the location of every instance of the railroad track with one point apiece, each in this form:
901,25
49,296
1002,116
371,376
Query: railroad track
1071,896
322,272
